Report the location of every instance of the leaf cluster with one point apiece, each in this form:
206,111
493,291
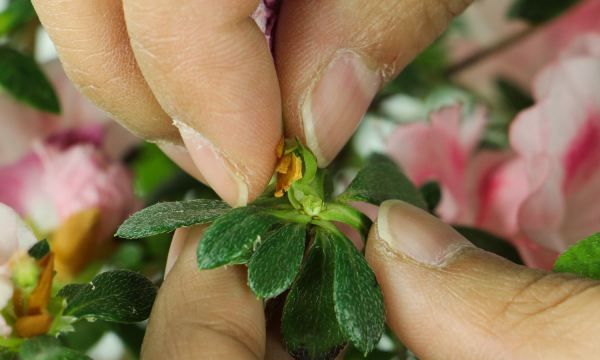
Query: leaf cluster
292,245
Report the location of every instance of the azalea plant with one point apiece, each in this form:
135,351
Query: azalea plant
498,136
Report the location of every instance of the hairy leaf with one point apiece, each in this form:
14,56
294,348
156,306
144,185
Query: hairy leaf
118,296
358,299
233,237
309,325
583,258
274,265
48,348
381,180
22,78
166,217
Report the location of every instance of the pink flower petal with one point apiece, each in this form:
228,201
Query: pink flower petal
15,234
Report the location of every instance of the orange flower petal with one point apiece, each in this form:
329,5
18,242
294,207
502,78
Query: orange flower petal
39,298
280,148
75,242
293,172
284,164
33,325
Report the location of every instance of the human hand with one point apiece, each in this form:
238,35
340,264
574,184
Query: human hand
205,67
444,298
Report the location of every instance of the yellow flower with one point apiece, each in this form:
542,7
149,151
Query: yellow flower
288,170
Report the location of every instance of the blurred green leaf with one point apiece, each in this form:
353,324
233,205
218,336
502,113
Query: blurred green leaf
514,98
537,12
48,348
491,243
16,14
426,71
39,250
151,168
22,78
432,193
129,256
583,258
118,296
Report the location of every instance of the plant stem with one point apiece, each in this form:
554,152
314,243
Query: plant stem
490,51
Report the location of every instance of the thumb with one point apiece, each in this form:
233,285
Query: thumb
333,56
209,314
446,299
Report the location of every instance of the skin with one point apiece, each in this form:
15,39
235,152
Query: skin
494,308
131,56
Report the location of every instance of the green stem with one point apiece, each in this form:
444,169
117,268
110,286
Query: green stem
347,215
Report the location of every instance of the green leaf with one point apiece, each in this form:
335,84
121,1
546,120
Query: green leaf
491,243
233,237
274,265
513,96
39,250
117,296
358,299
16,14
48,348
535,12
432,193
7,355
21,77
166,217
583,258
309,325
381,180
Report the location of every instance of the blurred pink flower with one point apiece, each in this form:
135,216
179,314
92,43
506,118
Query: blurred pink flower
53,183
521,61
543,194
441,150
15,237
52,167
558,141
23,126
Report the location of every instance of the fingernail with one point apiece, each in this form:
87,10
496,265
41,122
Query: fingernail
180,156
175,249
336,103
219,173
417,234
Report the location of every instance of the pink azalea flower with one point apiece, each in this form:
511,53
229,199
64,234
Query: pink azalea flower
265,17
16,237
520,62
558,141
52,167
23,126
543,195
53,183
440,150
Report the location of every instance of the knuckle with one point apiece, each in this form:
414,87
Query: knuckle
547,298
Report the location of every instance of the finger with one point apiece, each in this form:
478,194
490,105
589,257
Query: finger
333,56
210,67
93,45
447,299
209,314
